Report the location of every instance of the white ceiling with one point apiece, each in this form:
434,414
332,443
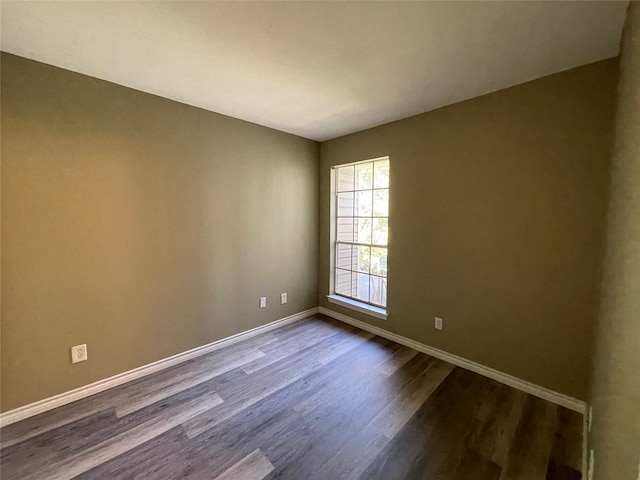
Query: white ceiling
315,69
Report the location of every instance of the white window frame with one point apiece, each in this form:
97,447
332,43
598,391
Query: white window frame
333,297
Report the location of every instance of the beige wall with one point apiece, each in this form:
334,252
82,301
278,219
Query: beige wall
144,227
615,392
496,221
140,226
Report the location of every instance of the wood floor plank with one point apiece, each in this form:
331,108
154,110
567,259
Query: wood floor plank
531,448
353,458
47,421
288,444
132,401
280,432
254,466
76,437
312,355
355,447
65,440
333,425
449,435
133,437
415,440
201,458
300,340
140,463
274,378
312,400
493,438
251,394
567,446
392,419
315,328
399,358
559,471
475,466
74,465
335,350
208,455
487,407
335,388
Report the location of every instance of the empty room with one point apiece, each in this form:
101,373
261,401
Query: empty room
320,240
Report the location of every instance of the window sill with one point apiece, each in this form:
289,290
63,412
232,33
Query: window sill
358,306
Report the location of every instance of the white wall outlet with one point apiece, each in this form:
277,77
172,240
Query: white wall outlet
283,298
263,302
438,323
78,353
592,462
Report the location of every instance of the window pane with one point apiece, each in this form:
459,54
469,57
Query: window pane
378,291
378,261
345,204
381,203
362,287
364,203
361,258
345,229
343,282
362,210
345,177
363,230
343,256
364,176
381,174
380,231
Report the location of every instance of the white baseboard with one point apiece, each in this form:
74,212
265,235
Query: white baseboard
50,403
536,390
585,443
46,404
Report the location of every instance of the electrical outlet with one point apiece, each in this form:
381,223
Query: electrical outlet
263,302
438,323
78,353
283,298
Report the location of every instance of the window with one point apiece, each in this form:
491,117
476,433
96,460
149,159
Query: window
361,231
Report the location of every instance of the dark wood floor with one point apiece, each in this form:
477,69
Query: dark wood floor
314,400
